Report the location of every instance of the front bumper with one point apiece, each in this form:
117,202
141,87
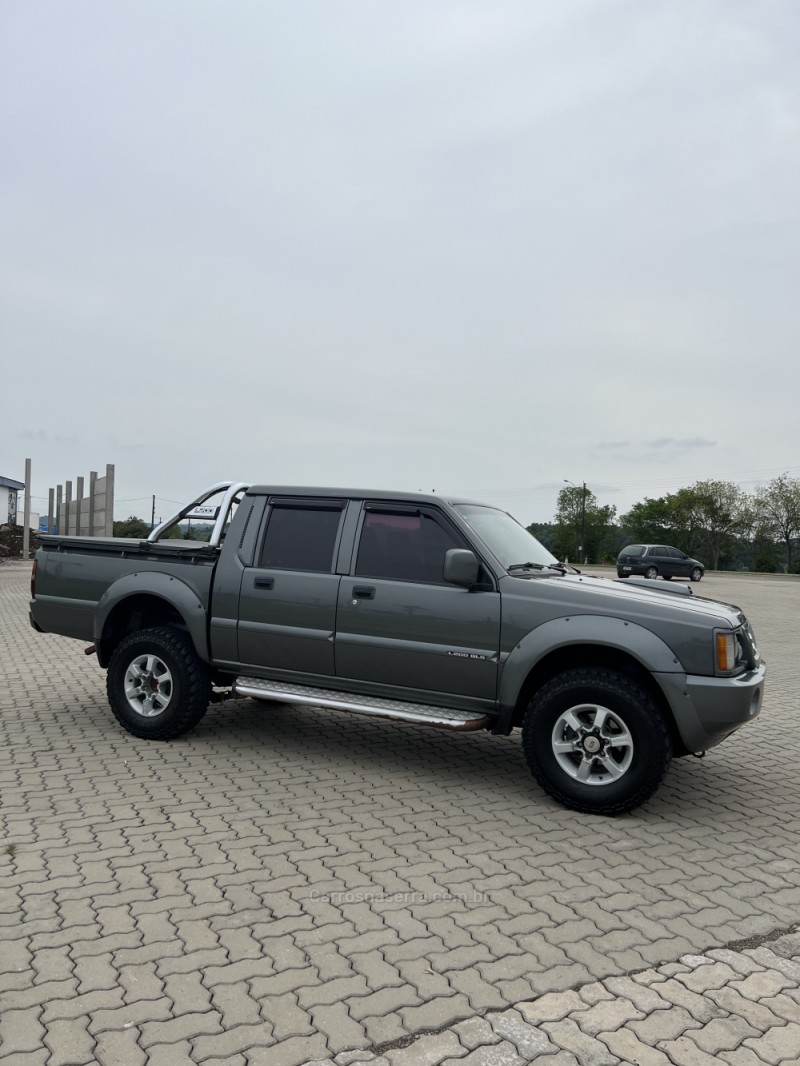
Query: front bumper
709,709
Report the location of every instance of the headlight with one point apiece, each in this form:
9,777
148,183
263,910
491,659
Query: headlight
724,652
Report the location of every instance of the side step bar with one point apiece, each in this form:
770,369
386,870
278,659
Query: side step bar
416,713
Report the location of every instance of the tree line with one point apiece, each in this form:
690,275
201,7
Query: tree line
713,521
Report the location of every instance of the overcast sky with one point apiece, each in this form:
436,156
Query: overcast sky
476,247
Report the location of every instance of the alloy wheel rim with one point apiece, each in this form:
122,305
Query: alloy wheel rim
148,685
592,744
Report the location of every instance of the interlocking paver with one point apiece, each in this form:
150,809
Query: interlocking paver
233,1041
184,1027
529,1040
89,1003
503,1054
587,1049
474,1032
608,1015
21,1030
761,985
180,881
428,1051
176,1054
785,1005
436,1013
119,1048
132,1014
629,1048
70,1043
721,1034
777,1045
663,1025
292,1052
342,1031
481,994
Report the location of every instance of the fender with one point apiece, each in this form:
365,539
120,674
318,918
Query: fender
170,589
635,640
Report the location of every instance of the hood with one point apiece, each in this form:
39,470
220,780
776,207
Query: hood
638,601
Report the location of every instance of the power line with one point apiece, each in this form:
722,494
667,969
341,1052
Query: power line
539,492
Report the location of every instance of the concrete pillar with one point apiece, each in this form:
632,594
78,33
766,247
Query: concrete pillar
79,507
26,513
59,516
92,492
109,530
68,508
50,505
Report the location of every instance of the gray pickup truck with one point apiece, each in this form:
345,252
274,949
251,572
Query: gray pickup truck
433,611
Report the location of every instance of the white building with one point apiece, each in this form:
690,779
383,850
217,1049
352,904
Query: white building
10,501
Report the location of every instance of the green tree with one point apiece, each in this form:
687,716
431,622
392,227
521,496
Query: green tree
133,528
757,535
655,522
780,501
713,509
579,518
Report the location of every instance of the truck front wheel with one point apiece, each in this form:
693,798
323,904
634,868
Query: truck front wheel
157,687
596,742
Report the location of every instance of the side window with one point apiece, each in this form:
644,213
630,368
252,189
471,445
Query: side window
403,547
300,538
675,554
660,552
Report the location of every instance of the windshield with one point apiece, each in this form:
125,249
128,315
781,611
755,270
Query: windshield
505,538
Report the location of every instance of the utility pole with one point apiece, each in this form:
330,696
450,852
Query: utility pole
26,513
582,544
153,516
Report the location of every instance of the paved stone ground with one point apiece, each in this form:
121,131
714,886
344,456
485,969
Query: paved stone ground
288,885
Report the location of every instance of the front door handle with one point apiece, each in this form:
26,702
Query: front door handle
264,582
363,592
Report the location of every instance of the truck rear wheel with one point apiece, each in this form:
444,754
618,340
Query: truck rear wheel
596,742
157,687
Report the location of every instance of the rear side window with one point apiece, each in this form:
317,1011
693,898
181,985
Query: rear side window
660,552
633,549
300,538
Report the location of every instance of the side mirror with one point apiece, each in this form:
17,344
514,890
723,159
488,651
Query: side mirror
460,567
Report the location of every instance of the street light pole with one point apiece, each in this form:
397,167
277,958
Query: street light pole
582,544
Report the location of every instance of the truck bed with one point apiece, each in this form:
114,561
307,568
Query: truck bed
74,576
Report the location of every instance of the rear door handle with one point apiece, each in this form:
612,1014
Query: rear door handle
264,582
363,592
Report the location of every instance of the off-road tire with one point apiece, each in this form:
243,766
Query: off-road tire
625,699
189,688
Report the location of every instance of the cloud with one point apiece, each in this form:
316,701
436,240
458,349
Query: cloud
50,438
683,442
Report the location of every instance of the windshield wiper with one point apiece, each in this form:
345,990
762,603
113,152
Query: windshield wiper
562,568
565,568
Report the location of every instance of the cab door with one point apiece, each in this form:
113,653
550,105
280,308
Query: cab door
400,625
679,563
287,603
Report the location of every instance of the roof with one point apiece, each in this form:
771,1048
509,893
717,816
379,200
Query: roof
331,493
10,483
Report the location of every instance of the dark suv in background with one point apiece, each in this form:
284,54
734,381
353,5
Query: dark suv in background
654,559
